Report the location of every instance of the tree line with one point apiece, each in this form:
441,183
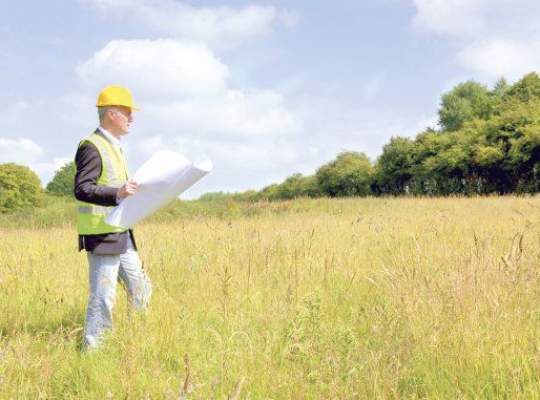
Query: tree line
20,187
487,141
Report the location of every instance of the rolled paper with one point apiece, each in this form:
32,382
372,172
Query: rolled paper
160,179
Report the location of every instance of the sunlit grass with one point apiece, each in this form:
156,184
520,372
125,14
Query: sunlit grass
360,298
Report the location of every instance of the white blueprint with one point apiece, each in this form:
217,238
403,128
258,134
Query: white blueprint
161,179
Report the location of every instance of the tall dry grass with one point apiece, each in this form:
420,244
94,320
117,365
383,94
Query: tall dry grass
313,299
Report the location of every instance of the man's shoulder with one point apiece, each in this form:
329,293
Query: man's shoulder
88,139
86,152
87,143
86,146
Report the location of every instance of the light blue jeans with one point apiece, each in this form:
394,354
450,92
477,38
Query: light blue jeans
104,272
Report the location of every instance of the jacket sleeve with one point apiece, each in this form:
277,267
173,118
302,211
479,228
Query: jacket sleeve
89,167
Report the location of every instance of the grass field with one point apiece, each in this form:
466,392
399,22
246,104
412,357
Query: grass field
311,299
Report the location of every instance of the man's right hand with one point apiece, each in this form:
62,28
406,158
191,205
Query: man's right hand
129,188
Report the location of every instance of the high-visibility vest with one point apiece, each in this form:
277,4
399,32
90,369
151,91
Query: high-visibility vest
114,173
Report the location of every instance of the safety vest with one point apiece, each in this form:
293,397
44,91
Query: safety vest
114,173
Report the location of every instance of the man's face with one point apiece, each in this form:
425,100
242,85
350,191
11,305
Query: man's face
121,119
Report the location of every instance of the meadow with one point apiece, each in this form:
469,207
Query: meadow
373,298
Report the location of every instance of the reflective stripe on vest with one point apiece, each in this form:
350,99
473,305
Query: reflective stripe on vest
94,209
91,217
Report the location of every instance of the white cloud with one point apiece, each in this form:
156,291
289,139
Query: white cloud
220,26
247,164
46,169
499,58
22,151
233,113
150,144
493,38
248,156
453,17
158,67
474,18
183,87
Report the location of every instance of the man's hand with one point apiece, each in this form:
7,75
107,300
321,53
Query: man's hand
129,188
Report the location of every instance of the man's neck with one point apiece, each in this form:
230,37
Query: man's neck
112,136
110,131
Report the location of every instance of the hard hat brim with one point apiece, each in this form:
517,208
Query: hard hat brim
132,108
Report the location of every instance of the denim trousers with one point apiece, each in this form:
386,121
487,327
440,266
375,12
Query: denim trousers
104,272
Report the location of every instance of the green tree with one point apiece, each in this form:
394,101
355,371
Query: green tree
350,174
393,170
527,88
298,185
427,146
501,88
309,187
499,93
64,181
448,169
20,188
465,102
511,151
290,188
270,192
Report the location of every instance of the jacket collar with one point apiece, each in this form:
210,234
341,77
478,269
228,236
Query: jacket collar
107,135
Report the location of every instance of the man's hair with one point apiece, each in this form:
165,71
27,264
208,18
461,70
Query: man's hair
102,111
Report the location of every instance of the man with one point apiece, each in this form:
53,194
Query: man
101,182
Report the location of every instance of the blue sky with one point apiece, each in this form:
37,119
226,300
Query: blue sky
265,90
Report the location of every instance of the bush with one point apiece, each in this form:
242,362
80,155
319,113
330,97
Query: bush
20,188
350,174
213,196
64,181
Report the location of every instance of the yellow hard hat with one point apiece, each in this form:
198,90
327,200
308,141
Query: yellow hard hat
116,96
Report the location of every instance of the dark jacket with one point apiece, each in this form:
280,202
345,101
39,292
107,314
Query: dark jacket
89,167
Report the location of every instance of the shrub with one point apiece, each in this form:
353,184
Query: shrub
350,174
64,181
20,188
